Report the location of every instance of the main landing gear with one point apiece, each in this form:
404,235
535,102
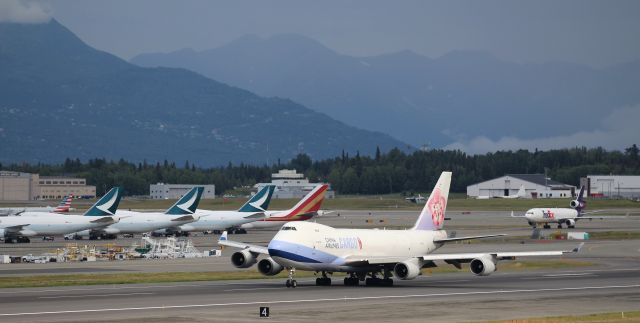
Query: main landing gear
375,281
291,282
324,280
352,280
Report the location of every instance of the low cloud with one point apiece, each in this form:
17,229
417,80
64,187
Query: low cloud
619,130
26,12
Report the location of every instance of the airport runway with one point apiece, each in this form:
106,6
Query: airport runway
440,298
611,284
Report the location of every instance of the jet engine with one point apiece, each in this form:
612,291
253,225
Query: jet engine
243,259
269,267
483,266
570,223
574,204
407,269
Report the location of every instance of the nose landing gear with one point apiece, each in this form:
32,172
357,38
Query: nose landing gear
291,282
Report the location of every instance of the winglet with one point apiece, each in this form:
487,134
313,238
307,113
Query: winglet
223,237
578,248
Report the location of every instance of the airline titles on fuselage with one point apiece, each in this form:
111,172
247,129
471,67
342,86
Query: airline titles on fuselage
343,243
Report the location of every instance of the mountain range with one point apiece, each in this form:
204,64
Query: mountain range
417,99
61,98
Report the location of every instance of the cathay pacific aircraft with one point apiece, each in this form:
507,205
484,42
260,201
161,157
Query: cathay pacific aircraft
29,224
183,211
254,209
370,255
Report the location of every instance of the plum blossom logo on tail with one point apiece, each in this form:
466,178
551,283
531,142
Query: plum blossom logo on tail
437,205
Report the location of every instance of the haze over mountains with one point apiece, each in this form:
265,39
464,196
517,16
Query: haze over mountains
459,98
60,98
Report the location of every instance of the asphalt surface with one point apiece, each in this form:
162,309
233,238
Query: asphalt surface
612,284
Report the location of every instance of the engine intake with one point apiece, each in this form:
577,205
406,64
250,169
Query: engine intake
574,204
483,266
243,259
407,269
269,267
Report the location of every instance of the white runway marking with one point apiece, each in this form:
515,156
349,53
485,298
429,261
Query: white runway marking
576,274
97,295
340,299
240,289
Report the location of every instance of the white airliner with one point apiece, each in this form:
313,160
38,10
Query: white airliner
63,207
181,212
305,209
366,252
254,209
567,216
29,224
519,195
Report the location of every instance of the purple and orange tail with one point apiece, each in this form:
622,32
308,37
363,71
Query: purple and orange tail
432,216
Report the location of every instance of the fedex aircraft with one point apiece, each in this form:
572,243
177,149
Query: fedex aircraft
182,212
29,224
63,207
568,216
305,209
254,209
370,252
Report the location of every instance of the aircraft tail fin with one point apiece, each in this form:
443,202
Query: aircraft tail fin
579,203
188,203
65,204
107,205
521,192
432,216
308,206
260,201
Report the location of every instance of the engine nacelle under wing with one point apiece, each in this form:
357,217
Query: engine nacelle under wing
269,267
243,259
483,266
408,269
571,222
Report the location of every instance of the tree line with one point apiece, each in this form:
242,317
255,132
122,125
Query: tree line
381,173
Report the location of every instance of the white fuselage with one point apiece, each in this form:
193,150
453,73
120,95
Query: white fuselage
313,246
139,222
217,220
550,215
50,224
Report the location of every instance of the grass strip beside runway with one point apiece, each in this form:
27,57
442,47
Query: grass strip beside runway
601,317
174,277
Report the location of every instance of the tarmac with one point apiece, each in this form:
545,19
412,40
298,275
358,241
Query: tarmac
612,284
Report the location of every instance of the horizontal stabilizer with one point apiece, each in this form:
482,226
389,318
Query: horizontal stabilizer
516,216
104,219
256,216
185,218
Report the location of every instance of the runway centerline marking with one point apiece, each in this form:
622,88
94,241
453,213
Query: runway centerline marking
337,299
564,275
96,295
241,289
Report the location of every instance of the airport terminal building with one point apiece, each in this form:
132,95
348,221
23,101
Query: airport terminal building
18,186
162,191
535,185
289,184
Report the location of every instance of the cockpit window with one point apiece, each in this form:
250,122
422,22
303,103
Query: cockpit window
289,228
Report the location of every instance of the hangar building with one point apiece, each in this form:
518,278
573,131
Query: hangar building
535,185
616,186
162,191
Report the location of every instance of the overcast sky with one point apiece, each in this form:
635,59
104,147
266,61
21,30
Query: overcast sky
597,33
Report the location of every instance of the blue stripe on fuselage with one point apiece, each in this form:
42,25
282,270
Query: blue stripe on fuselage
299,253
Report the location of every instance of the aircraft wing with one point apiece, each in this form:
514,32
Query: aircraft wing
14,228
468,238
457,258
223,241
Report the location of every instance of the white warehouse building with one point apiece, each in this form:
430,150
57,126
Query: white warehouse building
535,185
618,186
162,191
290,184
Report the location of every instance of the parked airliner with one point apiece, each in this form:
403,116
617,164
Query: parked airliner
29,224
370,252
254,209
138,222
63,207
305,209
